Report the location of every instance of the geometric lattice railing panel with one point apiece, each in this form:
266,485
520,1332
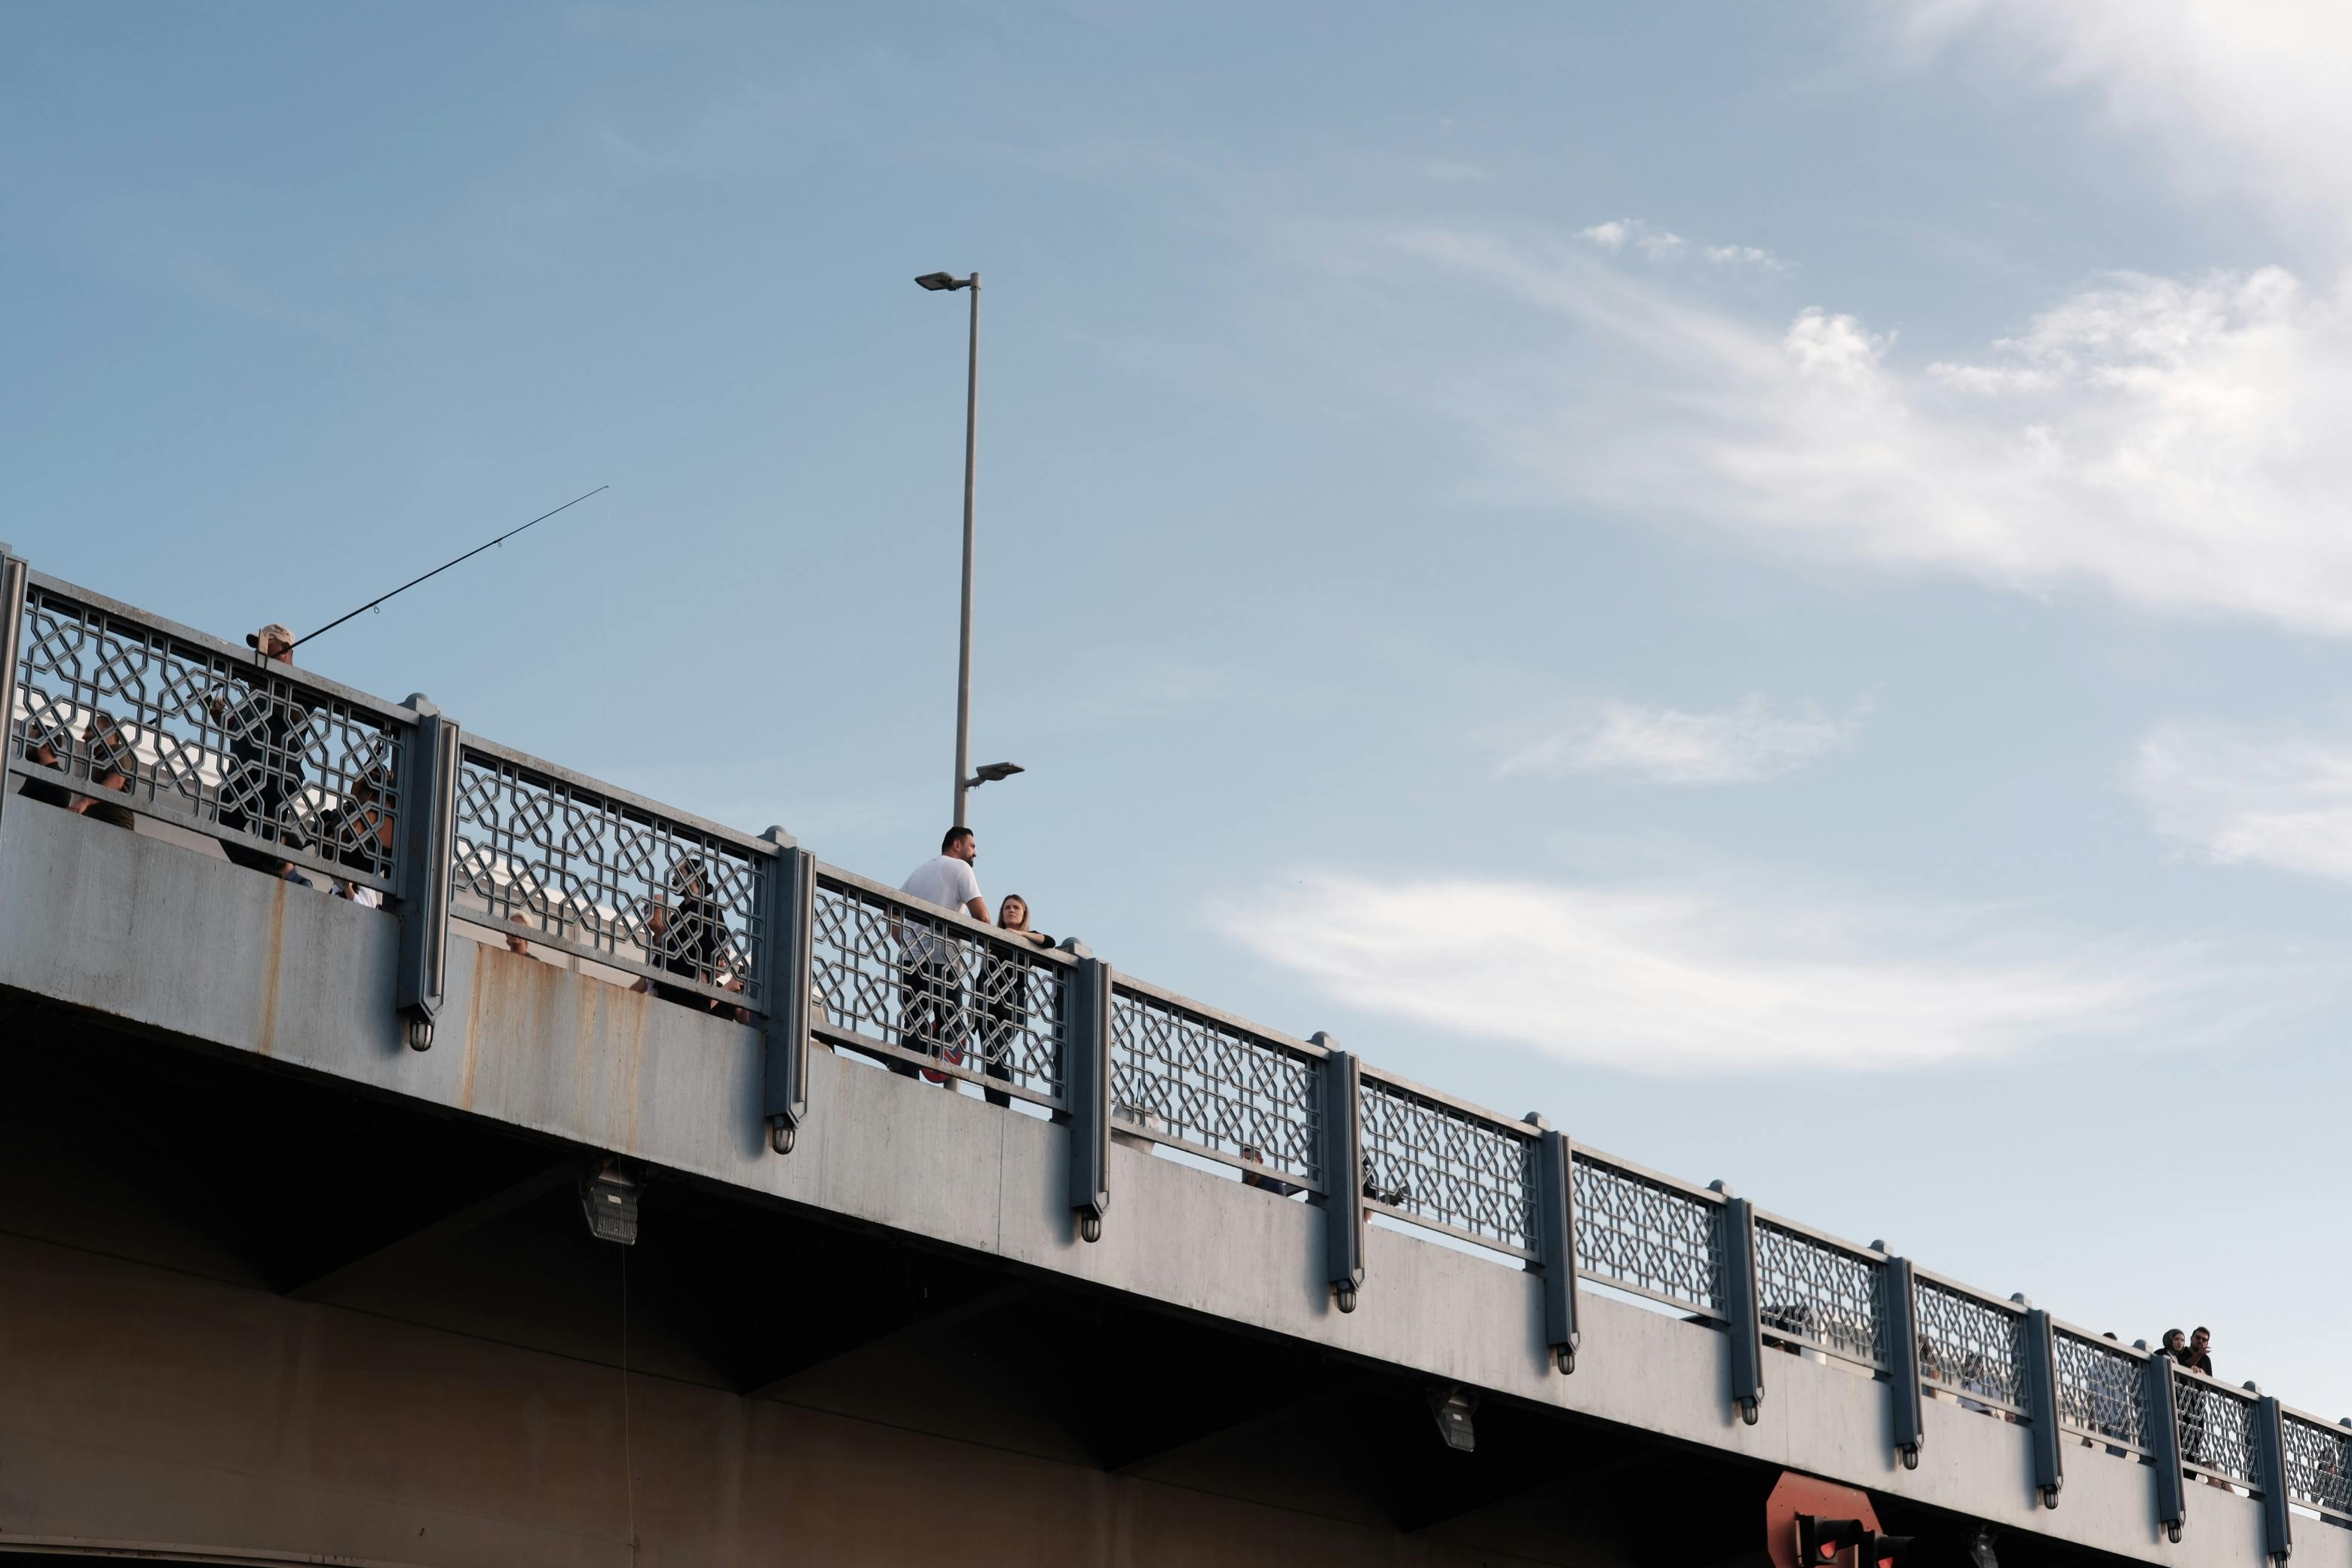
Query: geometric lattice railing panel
2100,1391
2319,1466
2217,1429
178,727
1970,1346
1647,1237
607,878
1212,1085
1443,1167
1822,1295
890,972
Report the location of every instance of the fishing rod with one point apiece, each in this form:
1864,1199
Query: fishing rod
404,587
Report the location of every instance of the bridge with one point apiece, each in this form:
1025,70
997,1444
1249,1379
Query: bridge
540,1200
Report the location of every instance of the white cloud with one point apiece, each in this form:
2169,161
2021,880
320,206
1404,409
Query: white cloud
2173,442
2236,799
2237,96
1657,244
1688,979
1744,744
1746,255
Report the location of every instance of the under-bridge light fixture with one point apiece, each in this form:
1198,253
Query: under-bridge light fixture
1452,1410
608,1198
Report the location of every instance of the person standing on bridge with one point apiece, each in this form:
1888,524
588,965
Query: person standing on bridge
1009,1009
267,733
931,1013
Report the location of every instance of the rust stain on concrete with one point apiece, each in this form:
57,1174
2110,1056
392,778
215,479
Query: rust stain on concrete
473,1035
636,1052
273,959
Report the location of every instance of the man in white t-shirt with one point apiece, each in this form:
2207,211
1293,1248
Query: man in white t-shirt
932,1016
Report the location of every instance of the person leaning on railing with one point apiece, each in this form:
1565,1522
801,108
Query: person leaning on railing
691,940
357,834
931,1017
1003,993
2195,1354
266,739
1263,1181
111,760
111,756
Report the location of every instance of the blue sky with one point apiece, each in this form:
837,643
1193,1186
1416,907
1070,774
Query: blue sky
1771,581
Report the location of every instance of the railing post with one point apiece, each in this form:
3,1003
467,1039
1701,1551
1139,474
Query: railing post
1898,1313
2159,1422
1085,1084
1743,1313
1340,1082
2270,1453
1556,1222
2041,1404
788,949
11,633
429,813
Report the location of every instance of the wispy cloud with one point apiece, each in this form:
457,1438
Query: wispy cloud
1657,244
2239,799
2155,437
1746,744
1746,255
1680,979
1663,245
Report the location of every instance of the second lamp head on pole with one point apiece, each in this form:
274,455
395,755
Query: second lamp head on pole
935,281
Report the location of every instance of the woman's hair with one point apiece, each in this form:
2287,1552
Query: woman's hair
1011,899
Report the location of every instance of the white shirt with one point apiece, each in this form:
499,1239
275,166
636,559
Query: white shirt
948,883
943,880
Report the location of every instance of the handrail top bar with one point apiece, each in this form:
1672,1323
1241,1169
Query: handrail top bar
1830,1239
613,793
1592,1156
2101,1341
1525,1131
2336,1427
950,918
1219,1016
2215,1383
243,657
1946,1282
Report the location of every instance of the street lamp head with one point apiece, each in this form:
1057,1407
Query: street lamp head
935,281
993,772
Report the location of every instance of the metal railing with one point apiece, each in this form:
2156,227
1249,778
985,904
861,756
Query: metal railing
606,875
1819,1292
136,714
106,704
2216,1423
1435,1161
1187,1074
1649,1234
1970,1346
2318,1464
911,982
2102,1389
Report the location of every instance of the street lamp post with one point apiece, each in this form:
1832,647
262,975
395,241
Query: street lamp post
965,781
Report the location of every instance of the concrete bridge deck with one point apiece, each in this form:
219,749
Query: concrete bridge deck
278,1287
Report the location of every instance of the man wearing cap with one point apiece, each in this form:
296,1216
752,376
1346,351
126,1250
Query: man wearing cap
265,730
